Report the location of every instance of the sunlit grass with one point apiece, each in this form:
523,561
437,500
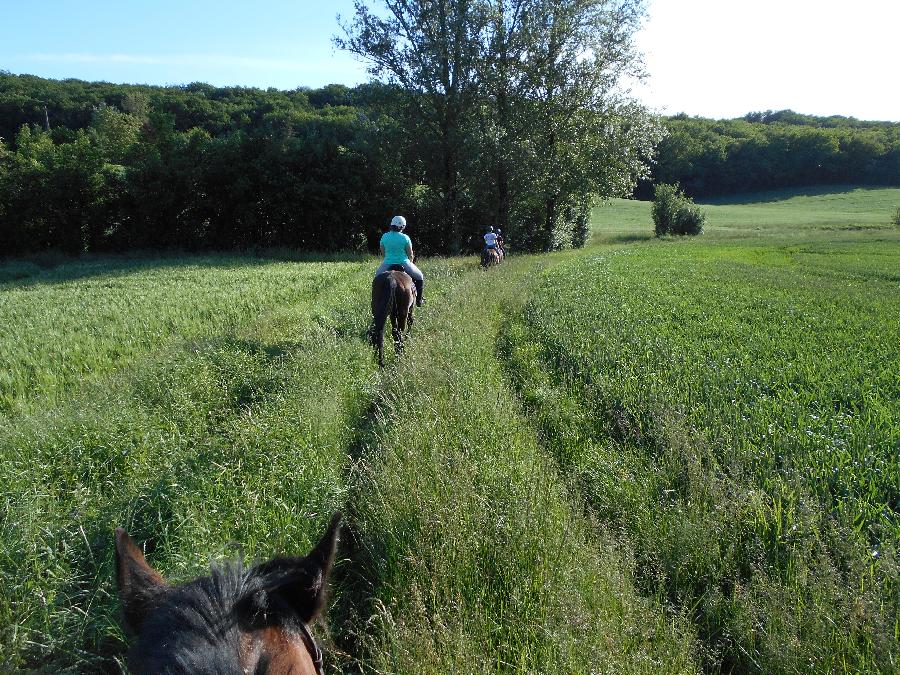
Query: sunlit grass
62,326
826,212
649,455
734,406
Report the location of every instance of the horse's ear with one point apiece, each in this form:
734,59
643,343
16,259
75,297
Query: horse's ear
302,583
322,555
139,584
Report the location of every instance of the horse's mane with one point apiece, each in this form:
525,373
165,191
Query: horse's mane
200,622
196,623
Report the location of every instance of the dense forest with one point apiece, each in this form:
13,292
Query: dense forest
98,166
767,150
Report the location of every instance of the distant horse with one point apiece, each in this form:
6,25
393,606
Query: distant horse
236,620
490,257
394,295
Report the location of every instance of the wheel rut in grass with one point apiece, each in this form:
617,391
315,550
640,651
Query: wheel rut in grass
355,581
467,550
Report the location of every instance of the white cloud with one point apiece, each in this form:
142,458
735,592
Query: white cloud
724,58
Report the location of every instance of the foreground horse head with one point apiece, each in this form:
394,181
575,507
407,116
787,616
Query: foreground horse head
236,620
394,295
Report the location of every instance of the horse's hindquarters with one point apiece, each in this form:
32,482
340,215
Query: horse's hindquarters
490,257
394,296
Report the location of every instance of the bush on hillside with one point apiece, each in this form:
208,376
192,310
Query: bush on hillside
896,217
674,213
581,227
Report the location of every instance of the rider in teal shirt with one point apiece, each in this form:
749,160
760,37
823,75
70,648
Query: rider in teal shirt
397,250
394,245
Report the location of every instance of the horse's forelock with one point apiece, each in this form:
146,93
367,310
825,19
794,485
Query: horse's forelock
197,627
194,628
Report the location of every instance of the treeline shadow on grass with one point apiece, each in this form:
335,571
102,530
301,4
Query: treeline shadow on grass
629,238
780,195
54,267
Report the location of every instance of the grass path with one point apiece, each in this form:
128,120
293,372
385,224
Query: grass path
468,546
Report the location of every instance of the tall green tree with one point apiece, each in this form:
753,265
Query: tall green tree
506,50
432,49
519,100
580,122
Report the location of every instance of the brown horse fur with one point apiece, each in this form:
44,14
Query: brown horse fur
236,620
490,257
394,295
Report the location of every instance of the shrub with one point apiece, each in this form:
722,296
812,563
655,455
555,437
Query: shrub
581,224
895,219
674,213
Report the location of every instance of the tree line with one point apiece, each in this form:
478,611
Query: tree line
103,167
488,112
771,150
480,112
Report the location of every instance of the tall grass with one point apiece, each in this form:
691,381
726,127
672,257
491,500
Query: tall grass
229,440
86,318
470,553
246,442
734,410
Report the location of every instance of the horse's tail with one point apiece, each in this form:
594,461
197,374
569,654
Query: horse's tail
380,313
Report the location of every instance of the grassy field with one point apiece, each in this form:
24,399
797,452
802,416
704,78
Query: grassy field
93,316
643,456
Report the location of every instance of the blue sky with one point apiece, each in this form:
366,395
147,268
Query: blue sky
277,43
715,58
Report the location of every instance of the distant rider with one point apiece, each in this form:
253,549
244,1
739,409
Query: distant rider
397,249
500,243
490,240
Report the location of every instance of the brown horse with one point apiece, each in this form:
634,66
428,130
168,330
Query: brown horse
490,257
394,295
236,620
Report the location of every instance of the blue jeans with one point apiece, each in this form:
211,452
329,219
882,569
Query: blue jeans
409,267
413,271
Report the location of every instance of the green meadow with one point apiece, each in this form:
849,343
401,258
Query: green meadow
647,455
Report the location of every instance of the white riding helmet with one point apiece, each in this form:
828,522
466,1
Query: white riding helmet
398,223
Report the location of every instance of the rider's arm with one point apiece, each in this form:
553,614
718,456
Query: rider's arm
409,252
381,248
